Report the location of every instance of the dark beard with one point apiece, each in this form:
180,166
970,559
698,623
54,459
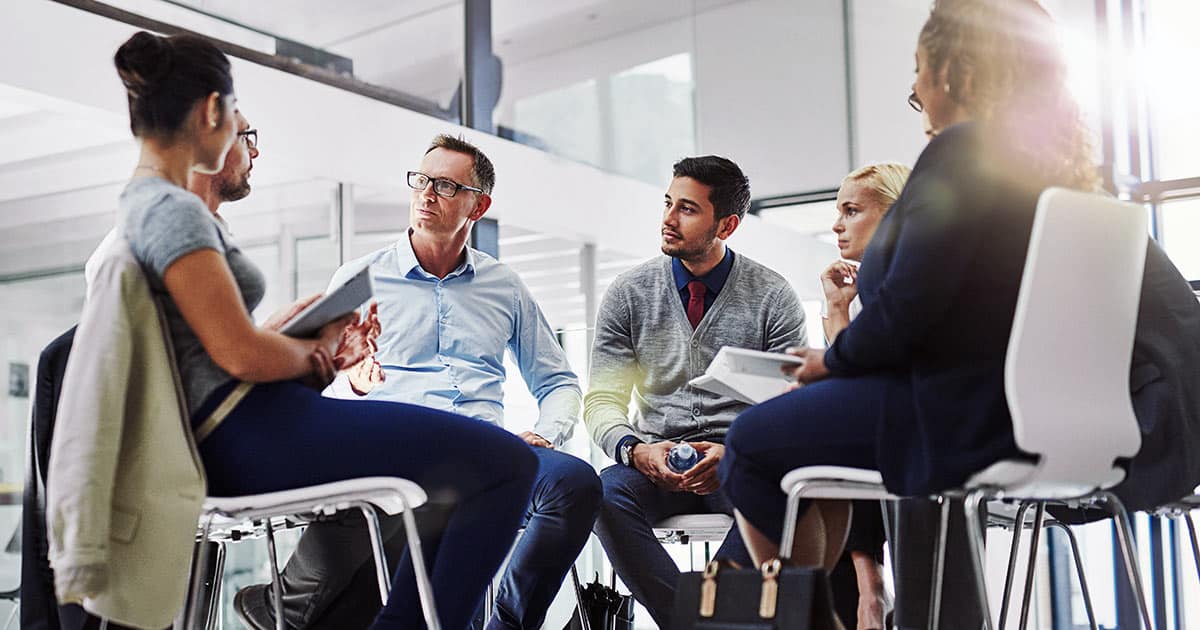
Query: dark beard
683,252
233,190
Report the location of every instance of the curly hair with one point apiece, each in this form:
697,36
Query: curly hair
1004,66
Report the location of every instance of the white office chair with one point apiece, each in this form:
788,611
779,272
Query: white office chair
1066,381
227,519
685,529
688,528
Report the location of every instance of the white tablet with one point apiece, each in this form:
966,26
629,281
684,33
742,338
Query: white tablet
331,306
755,362
750,376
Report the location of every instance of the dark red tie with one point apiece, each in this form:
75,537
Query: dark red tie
695,307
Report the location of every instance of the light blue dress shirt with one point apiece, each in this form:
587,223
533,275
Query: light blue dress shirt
443,340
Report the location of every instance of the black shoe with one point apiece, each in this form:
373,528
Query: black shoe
254,607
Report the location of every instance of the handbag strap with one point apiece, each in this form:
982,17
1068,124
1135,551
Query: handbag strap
768,598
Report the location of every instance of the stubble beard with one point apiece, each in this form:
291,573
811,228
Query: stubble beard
235,189
689,251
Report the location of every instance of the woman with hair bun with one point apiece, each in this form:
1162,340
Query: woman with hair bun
282,433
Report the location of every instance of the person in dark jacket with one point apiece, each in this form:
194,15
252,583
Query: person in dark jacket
1165,381
914,386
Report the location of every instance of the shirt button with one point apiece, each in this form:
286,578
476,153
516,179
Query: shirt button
695,343
696,411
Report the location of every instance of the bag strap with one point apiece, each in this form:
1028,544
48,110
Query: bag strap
770,588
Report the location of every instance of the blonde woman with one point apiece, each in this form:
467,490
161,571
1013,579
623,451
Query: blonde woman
863,198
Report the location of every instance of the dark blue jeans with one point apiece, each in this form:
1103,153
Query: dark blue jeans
285,435
632,504
566,499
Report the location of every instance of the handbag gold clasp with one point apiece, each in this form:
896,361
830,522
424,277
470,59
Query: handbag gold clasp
708,589
770,588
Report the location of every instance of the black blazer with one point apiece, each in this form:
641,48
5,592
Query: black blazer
939,288
1165,381
39,607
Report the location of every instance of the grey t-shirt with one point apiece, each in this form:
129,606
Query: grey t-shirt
162,223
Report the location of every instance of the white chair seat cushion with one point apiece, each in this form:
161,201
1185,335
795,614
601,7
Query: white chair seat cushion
859,483
1022,479
698,527
381,492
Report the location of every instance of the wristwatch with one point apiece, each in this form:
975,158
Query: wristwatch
625,450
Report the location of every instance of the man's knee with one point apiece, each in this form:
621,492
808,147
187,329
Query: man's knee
570,485
624,491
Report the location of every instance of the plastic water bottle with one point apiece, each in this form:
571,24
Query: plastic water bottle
681,457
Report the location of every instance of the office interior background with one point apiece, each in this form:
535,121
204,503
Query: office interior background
583,105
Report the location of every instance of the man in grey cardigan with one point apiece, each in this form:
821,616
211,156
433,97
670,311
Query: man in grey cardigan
660,325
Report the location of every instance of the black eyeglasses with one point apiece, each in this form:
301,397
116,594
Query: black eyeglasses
443,187
915,102
250,137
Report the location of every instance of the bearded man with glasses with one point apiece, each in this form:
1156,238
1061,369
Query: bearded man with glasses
444,315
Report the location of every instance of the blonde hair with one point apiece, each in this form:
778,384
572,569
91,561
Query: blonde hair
886,179
1004,67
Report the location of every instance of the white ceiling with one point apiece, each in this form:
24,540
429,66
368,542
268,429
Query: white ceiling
415,46
63,165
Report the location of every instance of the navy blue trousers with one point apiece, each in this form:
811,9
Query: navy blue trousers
828,423
284,435
566,500
835,422
632,504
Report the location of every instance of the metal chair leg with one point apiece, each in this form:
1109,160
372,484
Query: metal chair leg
971,504
1010,576
790,518
1128,552
424,587
17,606
1083,586
199,560
885,509
1191,526
276,579
212,616
377,550
584,622
1035,536
939,565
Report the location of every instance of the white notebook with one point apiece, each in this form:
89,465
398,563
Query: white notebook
750,376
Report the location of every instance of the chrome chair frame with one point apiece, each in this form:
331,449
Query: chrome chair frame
1017,524
256,515
836,488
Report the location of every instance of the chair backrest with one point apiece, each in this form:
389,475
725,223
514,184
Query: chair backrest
1067,368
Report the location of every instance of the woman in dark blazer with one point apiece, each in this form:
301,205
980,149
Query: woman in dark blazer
914,387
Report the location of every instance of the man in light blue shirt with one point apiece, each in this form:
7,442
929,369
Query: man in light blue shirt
442,340
446,315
